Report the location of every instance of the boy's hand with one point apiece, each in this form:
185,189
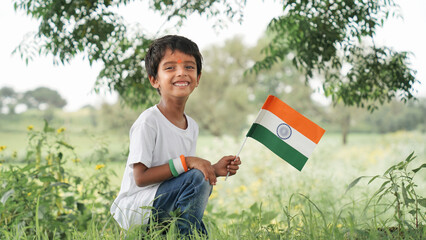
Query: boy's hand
204,166
226,164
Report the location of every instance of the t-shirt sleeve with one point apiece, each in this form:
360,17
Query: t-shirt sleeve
142,142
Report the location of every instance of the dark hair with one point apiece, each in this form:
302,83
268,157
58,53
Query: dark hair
158,48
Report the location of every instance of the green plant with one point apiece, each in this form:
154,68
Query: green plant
398,183
42,197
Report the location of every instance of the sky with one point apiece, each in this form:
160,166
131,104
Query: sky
75,81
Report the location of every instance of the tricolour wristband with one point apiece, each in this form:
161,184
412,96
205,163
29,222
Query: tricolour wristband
182,159
172,168
178,165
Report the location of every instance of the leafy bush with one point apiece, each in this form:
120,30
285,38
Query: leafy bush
42,197
398,184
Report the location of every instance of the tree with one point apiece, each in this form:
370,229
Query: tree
43,97
396,116
345,117
94,29
329,36
317,36
8,99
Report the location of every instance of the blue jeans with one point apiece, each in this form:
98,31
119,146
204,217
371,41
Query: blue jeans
188,192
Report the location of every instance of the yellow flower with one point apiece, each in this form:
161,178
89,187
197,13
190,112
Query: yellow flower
2,148
240,189
339,225
30,127
99,166
49,160
28,194
297,207
76,160
60,130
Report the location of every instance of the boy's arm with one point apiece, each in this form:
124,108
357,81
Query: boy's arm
145,176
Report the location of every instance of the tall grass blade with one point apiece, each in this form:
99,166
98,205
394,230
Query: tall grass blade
36,219
353,183
319,210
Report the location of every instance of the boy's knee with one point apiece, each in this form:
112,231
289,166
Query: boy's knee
197,175
198,179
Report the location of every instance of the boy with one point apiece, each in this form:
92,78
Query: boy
161,171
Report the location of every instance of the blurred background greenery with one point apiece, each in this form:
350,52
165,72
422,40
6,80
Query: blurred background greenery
224,105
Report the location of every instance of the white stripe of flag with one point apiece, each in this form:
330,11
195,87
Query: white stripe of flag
297,140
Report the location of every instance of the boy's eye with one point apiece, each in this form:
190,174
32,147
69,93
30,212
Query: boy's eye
169,68
190,67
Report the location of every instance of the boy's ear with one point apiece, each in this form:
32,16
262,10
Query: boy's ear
198,79
153,81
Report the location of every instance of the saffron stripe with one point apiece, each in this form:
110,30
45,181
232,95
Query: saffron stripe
294,118
182,159
276,145
297,140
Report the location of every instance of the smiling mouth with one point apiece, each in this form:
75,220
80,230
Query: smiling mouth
181,84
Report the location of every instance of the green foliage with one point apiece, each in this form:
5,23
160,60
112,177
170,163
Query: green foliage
398,182
39,98
325,37
42,198
264,201
124,72
390,117
94,29
181,9
317,36
396,116
256,221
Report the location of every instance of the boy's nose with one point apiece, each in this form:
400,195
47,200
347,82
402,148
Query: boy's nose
181,71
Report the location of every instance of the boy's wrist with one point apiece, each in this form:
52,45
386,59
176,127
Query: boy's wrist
190,162
215,170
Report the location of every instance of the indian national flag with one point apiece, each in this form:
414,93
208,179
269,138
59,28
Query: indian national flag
286,132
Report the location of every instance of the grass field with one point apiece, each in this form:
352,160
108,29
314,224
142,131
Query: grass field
268,198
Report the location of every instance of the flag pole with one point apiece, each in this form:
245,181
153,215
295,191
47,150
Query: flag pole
244,142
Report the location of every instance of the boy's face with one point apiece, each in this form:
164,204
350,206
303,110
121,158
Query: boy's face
176,75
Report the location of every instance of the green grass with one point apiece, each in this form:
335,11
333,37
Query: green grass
265,178
313,200
268,198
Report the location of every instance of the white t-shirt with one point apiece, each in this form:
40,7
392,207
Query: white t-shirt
154,140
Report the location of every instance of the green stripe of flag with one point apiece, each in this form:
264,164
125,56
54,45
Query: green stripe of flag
278,146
